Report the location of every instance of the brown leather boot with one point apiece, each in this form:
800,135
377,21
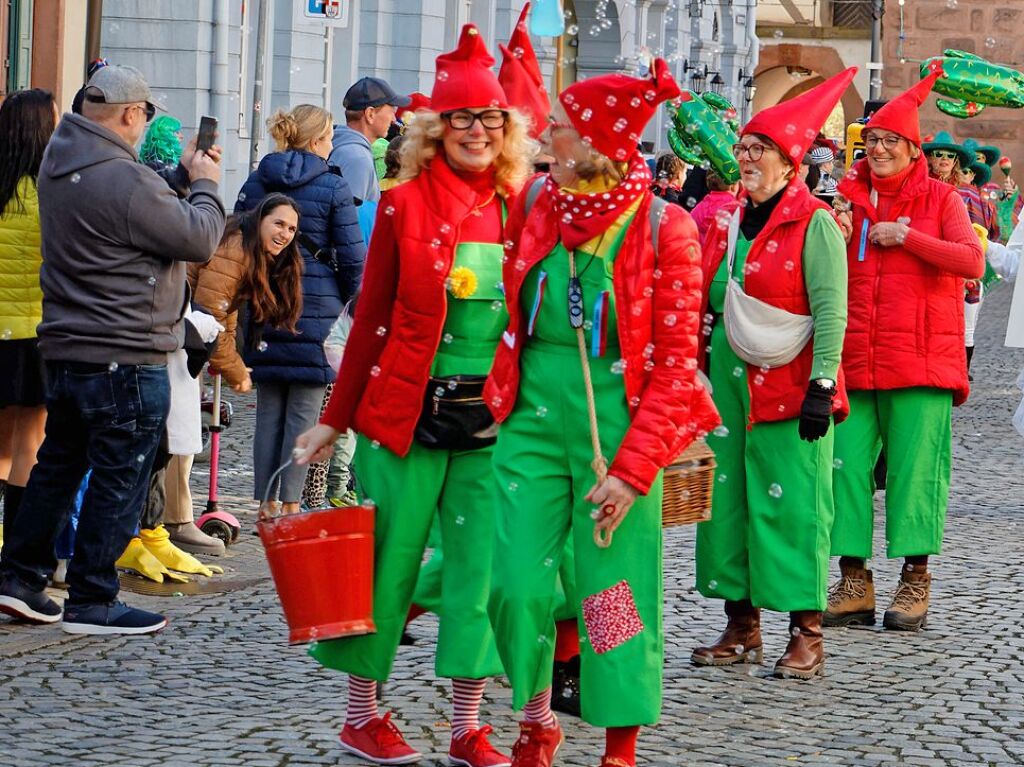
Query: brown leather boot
851,599
805,654
909,608
739,643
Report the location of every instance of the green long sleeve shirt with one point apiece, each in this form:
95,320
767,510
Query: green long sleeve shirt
824,267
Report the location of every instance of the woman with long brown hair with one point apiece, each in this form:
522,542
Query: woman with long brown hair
27,120
253,281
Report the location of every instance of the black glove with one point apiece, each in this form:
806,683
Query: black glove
816,411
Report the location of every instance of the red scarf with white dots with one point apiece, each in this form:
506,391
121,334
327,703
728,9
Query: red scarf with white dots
584,216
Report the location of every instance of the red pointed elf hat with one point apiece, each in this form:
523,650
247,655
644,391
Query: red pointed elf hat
417,101
793,125
610,111
521,79
465,78
900,115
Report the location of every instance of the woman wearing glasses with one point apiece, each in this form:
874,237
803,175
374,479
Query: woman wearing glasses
775,293
601,277
429,318
911,246
946,158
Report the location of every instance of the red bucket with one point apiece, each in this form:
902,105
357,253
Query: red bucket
322,563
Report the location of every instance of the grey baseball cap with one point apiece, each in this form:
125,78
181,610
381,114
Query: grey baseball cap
373,92
115,84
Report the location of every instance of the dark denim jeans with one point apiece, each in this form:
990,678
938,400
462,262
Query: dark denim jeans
110,421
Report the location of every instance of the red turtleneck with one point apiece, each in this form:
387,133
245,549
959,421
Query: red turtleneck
484,223
956,251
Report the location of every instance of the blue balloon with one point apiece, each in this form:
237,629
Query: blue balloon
546,19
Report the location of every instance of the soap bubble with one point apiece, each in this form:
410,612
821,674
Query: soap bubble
542,412
721,431
112,367
261,346
775,490
375,371
837,464
75,178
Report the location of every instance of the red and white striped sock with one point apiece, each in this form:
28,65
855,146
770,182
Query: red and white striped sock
362,701
538,709
466,697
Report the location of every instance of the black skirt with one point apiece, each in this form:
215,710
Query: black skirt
22,383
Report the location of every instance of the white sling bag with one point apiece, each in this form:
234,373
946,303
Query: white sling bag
759,333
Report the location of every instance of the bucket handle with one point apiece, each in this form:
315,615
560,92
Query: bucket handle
266,516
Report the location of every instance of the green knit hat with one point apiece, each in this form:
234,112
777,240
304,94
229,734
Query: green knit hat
162,142
943,141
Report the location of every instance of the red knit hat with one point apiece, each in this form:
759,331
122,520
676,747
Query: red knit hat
610,111
417,101
521,79
465,78
793,125
900,114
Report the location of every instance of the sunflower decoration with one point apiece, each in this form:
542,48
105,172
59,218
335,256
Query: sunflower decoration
462,282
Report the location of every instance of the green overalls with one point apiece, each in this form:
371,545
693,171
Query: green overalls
542,462
457,487
771,509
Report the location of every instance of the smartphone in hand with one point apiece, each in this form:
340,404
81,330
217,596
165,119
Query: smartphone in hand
207,133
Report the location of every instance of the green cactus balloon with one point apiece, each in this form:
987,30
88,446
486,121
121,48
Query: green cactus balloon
704,129
972,83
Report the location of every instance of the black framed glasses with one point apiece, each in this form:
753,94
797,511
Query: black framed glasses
463,119
889,142
754,151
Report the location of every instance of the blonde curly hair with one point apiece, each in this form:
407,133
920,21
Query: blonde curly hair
513,166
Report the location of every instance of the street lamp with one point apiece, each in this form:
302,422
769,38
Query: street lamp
699,76
717,83
749,89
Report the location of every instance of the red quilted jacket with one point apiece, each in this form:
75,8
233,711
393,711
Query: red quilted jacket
906,324
402,308
657,309
775,275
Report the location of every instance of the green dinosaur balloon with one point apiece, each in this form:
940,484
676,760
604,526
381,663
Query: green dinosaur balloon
972,83
704,128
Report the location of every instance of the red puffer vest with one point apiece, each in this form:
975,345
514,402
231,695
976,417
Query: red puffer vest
658,321
906,324
402,308
774,274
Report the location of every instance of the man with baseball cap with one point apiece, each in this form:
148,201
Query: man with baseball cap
370,106
115,240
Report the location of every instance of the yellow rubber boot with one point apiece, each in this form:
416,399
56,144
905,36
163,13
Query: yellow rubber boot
158,543
137,559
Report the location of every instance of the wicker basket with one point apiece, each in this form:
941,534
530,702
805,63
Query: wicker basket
688,482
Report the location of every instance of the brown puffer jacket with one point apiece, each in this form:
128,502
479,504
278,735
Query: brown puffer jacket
214,285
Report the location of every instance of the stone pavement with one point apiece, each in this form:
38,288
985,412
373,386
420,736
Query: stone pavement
220,686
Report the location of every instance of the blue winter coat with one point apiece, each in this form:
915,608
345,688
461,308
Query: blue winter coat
329,218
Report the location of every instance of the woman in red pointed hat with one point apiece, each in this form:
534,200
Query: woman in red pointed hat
910,248
602,284
421,344
775,313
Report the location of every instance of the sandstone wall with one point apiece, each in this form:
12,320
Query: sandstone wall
992,29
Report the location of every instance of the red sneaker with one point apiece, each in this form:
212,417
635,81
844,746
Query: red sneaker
537,745
474,750
614,761
379,741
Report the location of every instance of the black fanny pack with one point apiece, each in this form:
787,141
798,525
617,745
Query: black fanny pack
454,415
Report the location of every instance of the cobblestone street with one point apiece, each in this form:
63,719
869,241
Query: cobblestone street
221,687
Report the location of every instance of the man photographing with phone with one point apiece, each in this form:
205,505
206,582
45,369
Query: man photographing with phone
115,239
